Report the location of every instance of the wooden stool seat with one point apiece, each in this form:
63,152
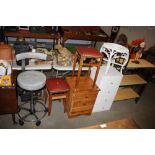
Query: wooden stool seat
88,52
57,88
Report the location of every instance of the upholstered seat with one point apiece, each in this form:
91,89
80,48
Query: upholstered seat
57,88
56,85
88,52
31,80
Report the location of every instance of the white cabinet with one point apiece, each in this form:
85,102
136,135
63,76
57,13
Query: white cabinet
108,84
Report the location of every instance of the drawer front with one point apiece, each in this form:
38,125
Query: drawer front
86,112
81,109
84,95
84,102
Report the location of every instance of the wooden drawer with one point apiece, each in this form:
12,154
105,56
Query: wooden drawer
86,97
85,102
81,109
77,113
82,98
82,94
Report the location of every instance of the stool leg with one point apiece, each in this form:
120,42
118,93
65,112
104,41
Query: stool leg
97,71
45,95
49,104
64,103
14,119
32,104
79,72
89,71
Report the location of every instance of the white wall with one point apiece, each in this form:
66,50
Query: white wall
135,32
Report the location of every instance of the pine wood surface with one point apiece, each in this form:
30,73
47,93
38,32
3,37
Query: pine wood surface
142,64
126,123
132,79
125,93
81,98
85,84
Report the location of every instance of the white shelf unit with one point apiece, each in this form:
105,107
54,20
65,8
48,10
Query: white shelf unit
109,78
108,84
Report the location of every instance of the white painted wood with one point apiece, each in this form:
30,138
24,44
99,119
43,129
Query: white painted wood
108,84
114,51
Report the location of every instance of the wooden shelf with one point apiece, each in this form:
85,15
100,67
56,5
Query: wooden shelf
142,64
125,93
132,79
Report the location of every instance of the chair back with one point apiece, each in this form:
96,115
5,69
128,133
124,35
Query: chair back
116,54
30,55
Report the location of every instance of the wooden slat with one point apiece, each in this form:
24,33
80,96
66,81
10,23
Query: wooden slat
125,93
58,97
132,79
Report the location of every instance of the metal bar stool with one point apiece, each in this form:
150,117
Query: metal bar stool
31,81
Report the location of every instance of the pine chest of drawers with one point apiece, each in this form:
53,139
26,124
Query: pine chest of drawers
82,97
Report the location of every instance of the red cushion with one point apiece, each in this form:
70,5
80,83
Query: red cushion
89,52
57,85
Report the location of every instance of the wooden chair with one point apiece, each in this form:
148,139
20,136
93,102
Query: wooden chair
56,88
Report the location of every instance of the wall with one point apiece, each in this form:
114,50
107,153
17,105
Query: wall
135,32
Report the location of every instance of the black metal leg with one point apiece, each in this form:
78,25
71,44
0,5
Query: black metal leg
6,39
140,92
95,44
32,104
14,119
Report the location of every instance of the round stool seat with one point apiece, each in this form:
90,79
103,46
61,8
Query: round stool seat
31,80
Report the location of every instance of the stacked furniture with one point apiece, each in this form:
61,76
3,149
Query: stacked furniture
89,33
83,90
49,34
